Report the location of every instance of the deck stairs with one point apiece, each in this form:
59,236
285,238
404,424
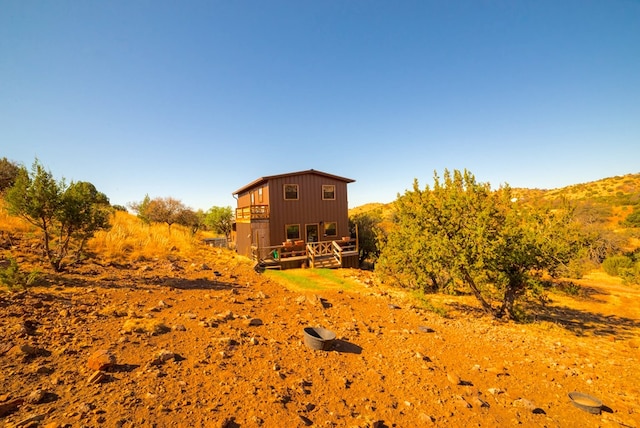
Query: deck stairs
328,262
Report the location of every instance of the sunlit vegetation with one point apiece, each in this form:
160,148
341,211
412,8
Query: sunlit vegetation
130,239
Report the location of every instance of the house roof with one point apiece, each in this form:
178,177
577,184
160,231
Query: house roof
265,179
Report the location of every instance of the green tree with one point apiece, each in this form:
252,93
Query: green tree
141,208
8,174
83,211
35,197
369,233
220,220
460,233
65,214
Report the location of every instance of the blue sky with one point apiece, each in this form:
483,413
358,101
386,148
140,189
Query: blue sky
194,99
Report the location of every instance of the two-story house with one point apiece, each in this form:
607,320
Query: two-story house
295,219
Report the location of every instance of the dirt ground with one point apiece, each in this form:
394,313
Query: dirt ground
208,342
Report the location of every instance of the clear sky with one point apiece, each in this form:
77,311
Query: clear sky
194,99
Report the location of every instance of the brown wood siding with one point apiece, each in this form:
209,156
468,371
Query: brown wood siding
244,200
310,208
243,239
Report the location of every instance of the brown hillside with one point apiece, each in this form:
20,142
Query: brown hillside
179,334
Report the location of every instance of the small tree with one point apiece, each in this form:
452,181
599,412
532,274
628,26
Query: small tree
65,214
369,233
8,174
142,208
192,219
83,212
36,198
461,233
165,210
220,220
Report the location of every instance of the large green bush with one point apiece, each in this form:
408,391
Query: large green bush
461,233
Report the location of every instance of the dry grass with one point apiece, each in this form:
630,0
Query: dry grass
130,239
13,223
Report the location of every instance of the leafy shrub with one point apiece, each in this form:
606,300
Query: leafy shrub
631,275
13,278
633,219
614,265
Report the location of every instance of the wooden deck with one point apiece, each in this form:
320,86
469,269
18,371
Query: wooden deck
327,254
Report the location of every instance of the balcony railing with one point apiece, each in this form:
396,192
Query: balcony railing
252,212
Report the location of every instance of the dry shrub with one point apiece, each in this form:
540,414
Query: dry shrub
144,326
130,239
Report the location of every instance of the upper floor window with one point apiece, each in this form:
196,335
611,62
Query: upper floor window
260,200
290,192
328,192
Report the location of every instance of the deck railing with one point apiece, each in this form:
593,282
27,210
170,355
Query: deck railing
252,212
311,251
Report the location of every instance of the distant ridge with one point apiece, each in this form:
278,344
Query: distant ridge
617,195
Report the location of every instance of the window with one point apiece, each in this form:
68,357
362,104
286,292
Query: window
290,192
331,229
293,231
260,195
328,192
253,198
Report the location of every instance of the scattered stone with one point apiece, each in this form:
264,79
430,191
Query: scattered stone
453,378
101,360
37,396
10,406
226,316
426,329
480,402
460,401
228,422
426,418
524,403
252,322
178,327
305,420
261,295
253,341
30,421
44,370
190,315
29,351
162,357
97,377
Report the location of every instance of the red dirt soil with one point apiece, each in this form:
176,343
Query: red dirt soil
208,342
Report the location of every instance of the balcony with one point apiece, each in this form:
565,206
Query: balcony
251,213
